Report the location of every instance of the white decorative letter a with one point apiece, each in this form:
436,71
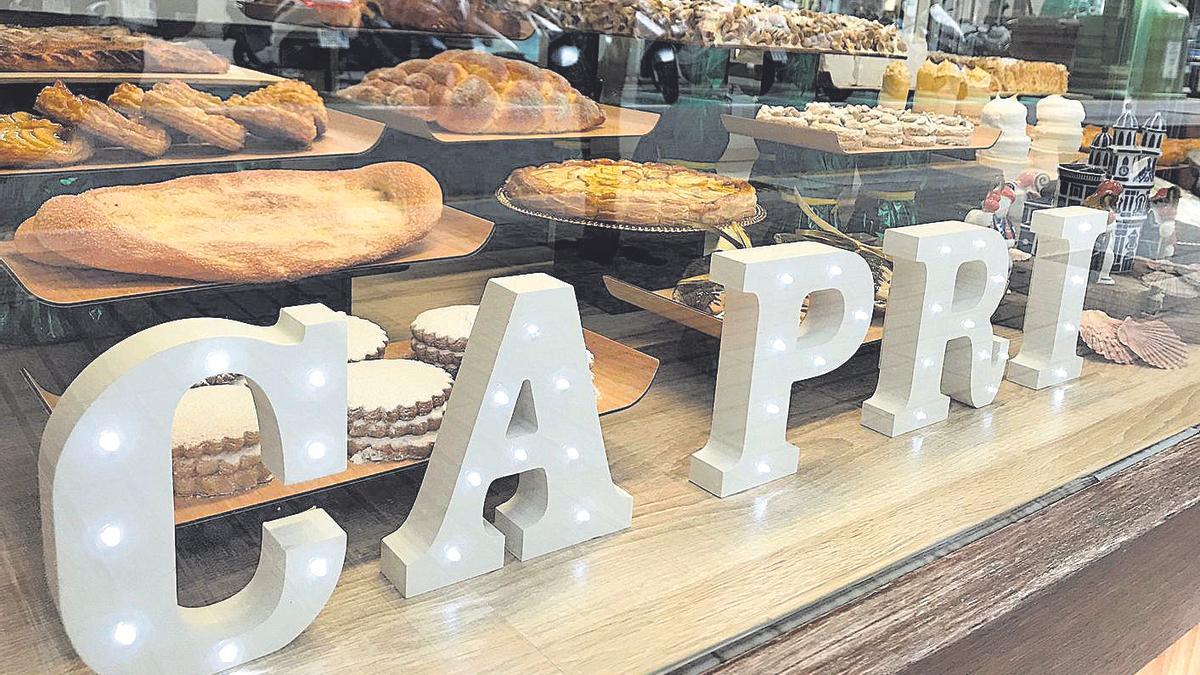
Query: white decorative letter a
523,403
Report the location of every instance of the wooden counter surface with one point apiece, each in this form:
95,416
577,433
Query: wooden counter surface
694,572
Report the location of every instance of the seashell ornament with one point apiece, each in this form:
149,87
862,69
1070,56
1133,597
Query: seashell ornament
1154,342
1172,286
1099,332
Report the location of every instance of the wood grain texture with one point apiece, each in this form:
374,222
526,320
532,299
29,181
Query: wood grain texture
693,571
236,75
663,303
345,135
456,235
617,122
1097,582
1181,658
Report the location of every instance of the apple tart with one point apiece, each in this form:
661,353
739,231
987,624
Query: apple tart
633,193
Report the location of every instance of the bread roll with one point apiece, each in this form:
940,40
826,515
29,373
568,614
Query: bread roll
248,226
477,93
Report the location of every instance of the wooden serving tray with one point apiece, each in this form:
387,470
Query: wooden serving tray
622,376
827,141
456,235
663,304
345,135
618,122
236,75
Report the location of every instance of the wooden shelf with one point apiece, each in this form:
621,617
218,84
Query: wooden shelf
827,141
346,135
663,303
458,234
617,122
622,376
236,75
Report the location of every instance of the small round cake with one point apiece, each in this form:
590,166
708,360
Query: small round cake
215,443
395,409
439,336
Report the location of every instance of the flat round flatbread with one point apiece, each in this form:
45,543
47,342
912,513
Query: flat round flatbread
246,226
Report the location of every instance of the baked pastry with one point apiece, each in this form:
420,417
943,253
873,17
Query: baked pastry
100,48
896,84
974,92
440,336
246,226
1014,76
631,192
762,25
937,88
99,120
478,93
860,126
450,16
197,114
289,111
292,95
28,141
127,99
215,447
395,409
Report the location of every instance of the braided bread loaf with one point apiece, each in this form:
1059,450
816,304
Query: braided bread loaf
477,93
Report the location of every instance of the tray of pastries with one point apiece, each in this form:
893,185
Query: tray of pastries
474,18
245,227
860,129
1014,76
110,54
620,194
172,123
741,25
470,96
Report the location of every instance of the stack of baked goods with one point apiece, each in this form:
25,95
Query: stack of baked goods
440,336
215,443
100,48
365,341
717,23
860,126
286,114
631,193
478,93
395,409
617,17
758,25
475,17
246,226
1014,76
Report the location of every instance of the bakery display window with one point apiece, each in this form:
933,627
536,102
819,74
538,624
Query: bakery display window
661,327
